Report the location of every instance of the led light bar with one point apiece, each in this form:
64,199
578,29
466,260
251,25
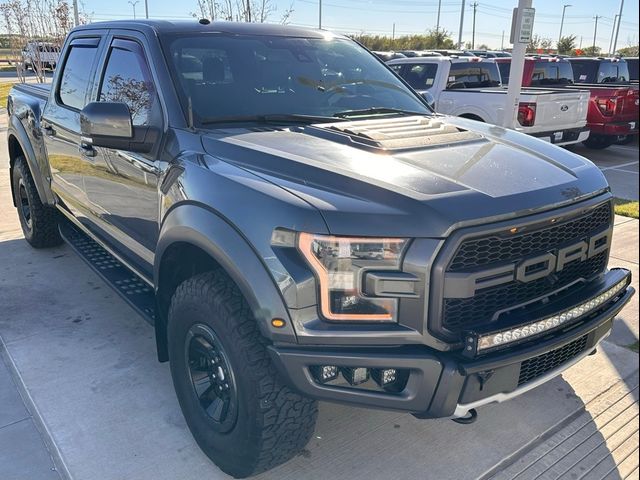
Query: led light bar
497,339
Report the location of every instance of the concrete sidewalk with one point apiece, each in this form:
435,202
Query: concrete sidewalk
104,409
23,452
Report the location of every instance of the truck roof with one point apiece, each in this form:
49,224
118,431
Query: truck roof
194,26
442,59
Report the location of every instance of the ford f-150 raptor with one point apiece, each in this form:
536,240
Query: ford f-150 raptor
298,225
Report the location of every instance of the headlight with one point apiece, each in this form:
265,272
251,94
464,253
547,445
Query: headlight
339,264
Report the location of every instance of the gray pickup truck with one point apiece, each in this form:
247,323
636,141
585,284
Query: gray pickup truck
298,225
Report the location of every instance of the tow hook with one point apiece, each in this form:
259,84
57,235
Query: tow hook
469,419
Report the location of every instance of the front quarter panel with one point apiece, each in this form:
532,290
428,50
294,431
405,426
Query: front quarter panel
231,214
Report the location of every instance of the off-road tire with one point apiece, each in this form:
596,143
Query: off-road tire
599,142
41,229
273,422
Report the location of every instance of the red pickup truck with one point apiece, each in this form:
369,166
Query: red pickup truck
613,107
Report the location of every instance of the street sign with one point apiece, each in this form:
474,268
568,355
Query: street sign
522,33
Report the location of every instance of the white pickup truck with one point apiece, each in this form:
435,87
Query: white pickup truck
470,87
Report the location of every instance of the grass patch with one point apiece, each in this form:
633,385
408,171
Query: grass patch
4,93
633,346
626,208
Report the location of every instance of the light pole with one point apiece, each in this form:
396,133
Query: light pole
133,4
595,32
615,40
613,32
461,24
562,21
146,9
320,14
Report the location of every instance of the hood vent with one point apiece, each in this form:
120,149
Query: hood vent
401,133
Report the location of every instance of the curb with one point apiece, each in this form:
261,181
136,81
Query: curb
52,448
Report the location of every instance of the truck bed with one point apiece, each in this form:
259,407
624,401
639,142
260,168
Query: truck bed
39,90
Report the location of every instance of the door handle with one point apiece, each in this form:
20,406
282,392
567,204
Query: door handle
87,150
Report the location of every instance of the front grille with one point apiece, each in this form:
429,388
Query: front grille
495,249
534,367
460,314
480,309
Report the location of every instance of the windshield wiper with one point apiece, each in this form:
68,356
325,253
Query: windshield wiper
270,118
376,111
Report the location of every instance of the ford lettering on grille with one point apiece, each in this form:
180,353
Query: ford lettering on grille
466,284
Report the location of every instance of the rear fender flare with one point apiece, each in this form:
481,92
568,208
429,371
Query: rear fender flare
17,131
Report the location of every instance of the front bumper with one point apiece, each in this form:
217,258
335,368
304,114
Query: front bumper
563,137
444,384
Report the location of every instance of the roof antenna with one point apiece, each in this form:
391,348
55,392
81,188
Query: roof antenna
190,113
204,21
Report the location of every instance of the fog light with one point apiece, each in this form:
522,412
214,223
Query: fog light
384,376
355,376
324,373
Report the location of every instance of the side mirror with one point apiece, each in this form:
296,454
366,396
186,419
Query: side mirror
429,99
109,125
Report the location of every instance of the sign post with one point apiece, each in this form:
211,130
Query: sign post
521,33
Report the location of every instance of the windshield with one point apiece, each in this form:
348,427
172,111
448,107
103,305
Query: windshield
249,75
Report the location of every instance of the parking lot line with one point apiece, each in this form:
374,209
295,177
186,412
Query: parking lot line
613,167
622,147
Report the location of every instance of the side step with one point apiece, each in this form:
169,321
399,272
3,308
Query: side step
126,283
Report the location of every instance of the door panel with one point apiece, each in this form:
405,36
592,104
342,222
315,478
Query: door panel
61,124
122,186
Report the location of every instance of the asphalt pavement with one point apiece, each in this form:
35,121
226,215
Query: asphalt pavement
82,395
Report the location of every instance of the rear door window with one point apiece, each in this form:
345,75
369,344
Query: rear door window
551,73
473,75
612,72
76,73
505,69
420,76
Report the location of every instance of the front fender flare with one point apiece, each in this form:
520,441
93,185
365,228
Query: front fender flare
211,233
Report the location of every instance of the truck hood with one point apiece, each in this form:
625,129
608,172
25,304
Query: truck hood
410,176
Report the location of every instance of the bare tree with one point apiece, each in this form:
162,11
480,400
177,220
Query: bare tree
257,11
37,29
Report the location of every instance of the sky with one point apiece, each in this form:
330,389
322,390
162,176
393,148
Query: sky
415,16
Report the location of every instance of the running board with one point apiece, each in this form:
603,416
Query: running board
126,283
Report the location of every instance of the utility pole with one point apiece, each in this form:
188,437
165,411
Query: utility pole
615,41
146,9
502,42
613,32
595,31
249,10
562,21
320,14
461,24
133,4
580,47
76,17
393,32
473,31
438,19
